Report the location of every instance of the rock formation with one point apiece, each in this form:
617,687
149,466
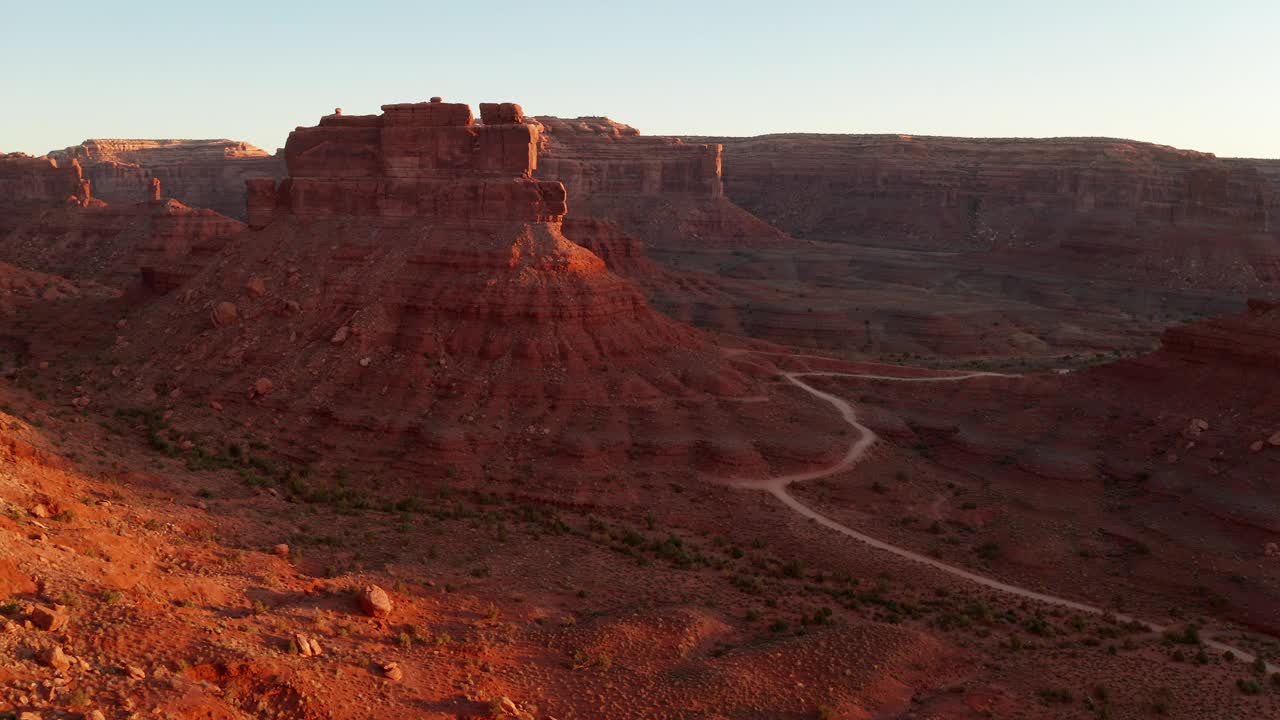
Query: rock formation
112,244
50,222
1250,339
31,184
199,173
1145,213
413,281
663,190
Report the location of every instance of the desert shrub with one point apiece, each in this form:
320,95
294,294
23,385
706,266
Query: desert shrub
988,550
1055,696
1249,686
1162,702
1189,635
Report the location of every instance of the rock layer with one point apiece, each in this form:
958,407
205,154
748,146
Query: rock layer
31,184
1251,339
1176,217
663,190
411,280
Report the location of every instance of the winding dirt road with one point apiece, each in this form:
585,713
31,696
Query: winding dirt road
777,486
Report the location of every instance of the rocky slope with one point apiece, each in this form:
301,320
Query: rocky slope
1107,208
113,244
200,173
1251,339
1155,471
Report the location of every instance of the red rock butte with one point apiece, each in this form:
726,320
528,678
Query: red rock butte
411,266
416,160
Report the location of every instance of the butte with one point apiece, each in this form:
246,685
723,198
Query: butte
407,295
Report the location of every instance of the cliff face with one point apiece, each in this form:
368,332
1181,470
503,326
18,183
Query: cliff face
410,278
30,184
1189,218
662,190
51,222
202,173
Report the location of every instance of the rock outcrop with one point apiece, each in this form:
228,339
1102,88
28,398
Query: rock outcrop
1154,214
1250,339
413,281
199,173
663,190
31,184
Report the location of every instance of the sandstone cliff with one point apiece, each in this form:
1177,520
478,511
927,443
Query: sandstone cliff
199,173
409,287
662,190
1172,217
31,184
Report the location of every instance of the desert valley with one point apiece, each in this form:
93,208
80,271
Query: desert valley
431,415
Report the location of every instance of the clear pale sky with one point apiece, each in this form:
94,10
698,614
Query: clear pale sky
1189,73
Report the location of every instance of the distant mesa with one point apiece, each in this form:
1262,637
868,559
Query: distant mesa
663,190
1123,210
53,221
198,173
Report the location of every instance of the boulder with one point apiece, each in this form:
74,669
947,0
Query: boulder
375,602
224,314
1194,428
53,657
306,645
51,619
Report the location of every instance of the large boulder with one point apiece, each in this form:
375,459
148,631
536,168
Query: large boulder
375,602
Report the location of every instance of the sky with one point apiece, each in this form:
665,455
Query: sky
1193,74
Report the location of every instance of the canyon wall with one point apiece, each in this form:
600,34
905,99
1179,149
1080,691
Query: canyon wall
200,173
1186,218
664,191
30,184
